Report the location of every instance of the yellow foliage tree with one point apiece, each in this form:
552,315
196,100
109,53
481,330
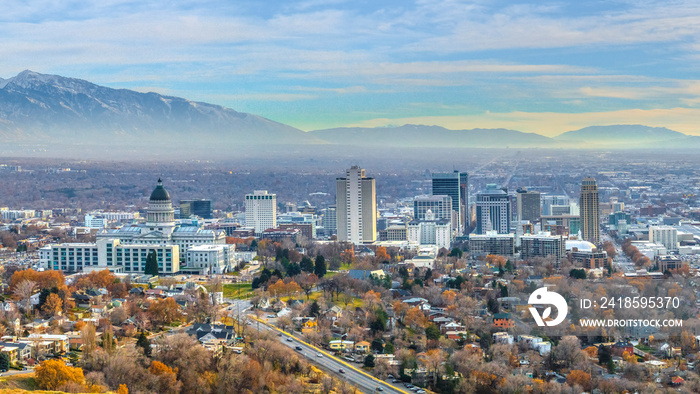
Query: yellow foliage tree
52,374
53,305
122,389
581,378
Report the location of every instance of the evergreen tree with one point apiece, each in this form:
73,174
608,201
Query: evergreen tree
320,267
315,309
369,361
4,362
144,343
293,269
307,265
152,263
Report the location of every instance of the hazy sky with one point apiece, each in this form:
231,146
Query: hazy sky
537,66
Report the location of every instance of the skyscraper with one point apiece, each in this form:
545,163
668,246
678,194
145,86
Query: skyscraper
528,205
493,210
440,206
261,210
456,185
356,207
588,202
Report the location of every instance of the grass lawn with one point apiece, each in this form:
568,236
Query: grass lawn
18,382
644,348
236,290
355,302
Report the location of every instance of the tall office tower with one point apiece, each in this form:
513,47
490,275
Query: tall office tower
330,221
493,210
356,207
201,208
456,185
261,210
440,206
588,202
549,201
528,205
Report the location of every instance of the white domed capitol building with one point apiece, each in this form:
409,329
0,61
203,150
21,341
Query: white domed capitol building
125,249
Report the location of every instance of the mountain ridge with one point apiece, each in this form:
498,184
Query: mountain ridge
50,109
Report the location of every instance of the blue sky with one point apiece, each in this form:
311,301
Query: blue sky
539,66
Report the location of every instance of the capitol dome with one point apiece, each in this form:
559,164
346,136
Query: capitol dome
159,193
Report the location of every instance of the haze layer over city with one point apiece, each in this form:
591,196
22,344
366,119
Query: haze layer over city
326,196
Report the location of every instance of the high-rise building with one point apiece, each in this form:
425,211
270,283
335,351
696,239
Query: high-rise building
440,206
356,207
200,207
528,205
330,221
493,211
588,202
261,211
456,185
664,235
542,245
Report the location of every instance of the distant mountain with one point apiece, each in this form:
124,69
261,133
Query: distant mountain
38,108
633,135
431,137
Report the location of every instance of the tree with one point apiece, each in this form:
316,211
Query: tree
456,252
432,332
293,269
320,266
53,305
52,374
382,255
307,282
578,273
581,378
307,265
377,345
164,311
369,361
23,290
144,343
4,361
151,264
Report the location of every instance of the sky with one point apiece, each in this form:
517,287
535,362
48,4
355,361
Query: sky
541,66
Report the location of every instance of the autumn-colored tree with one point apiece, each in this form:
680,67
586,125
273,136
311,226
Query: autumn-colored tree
348,256
448,297
122,389
44,279
581,378
591,351
496,260
165,378
382,254
52,374
415,318
164,311
278,288
52,306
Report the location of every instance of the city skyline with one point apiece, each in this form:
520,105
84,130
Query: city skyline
325,64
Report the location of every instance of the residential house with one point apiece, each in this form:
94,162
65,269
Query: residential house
362,347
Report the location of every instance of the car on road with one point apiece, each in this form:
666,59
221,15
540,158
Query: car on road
289,339
379,388
341,370
319,355
298,348
271,316
395,381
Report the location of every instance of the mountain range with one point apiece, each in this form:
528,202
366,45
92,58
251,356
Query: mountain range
54,111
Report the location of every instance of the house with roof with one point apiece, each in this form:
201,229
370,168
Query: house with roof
340,344
362,347
213,336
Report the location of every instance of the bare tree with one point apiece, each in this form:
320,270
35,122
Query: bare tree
23,291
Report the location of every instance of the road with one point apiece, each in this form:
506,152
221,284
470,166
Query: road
333,365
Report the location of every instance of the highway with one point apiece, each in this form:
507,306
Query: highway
351,374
